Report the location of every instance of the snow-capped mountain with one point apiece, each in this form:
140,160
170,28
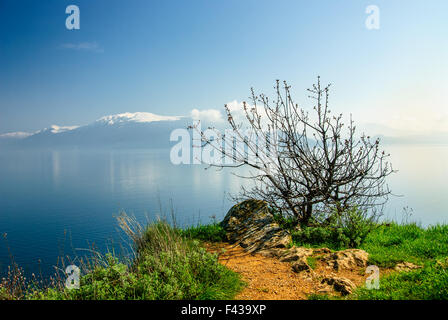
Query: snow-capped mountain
15,135
139,129
138,117
56,129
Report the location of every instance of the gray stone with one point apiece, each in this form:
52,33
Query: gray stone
346,259
296,254
252,226
300,266
406,266
342,285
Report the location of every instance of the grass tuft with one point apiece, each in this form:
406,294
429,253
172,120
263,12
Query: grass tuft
210,233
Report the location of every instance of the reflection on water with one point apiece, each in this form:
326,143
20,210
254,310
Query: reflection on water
56,167
53,202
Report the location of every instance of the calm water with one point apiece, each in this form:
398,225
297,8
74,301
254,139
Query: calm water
54,202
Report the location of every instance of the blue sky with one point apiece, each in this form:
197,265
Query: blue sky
169,57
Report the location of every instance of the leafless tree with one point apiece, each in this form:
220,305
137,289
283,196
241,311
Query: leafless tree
310,167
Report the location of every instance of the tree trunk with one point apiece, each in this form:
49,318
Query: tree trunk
307,213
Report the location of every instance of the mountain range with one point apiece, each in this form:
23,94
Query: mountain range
130,130
142,130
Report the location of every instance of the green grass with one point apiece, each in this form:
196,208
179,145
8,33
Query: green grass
316,296
428,247
167,265
429,283
312,262
210,233
389,245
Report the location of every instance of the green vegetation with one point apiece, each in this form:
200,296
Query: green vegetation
316,296
346,230
211,233
167,265
429,283
312,262
390,244
428,247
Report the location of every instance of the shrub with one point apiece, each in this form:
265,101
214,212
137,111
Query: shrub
286,222
348,229
112,282
354,225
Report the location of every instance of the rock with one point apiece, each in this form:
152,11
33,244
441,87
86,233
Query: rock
321,251
324,289
252,226
346,259
300,266
406,266
342,285
272,252
295,254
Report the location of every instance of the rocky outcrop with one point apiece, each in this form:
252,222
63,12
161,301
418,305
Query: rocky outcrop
406,266
295,254
252,226
319,251
346,259
342,285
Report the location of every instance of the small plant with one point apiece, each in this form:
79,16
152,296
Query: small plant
355,225
347,229
284,221
312,262
13,286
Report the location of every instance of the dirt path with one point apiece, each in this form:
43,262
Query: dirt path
270,279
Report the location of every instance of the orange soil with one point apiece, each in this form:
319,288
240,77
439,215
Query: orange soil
270,279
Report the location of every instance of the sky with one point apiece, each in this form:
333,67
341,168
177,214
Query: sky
172,57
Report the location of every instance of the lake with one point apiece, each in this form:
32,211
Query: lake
56,203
